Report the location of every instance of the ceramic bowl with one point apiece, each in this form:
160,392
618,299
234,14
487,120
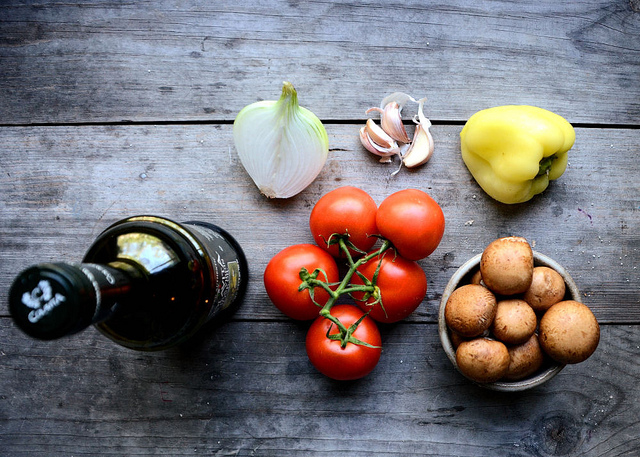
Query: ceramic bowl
462,276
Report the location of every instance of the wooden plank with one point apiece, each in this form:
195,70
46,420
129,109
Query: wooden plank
81,71
61,186
94,61
247,389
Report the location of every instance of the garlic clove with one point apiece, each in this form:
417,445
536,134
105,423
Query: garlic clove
400,98
379,136
421,148
366,142
391,138
384,153
375,108
392,123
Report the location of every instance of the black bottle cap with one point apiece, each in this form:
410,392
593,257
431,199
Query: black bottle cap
51,300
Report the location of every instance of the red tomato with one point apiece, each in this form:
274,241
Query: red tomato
344,210
351,362
402,283
282,279
412,221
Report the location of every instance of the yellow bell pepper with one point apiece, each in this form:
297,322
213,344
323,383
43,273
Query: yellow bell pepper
514,151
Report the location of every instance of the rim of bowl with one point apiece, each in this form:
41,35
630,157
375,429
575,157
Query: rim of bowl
502,386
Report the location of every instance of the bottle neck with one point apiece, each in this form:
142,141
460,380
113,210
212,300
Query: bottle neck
52,300
111,283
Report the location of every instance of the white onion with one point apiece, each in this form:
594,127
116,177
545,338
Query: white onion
282,145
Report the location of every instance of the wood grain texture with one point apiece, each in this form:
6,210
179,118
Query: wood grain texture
61,186
96,61
248,389
115,108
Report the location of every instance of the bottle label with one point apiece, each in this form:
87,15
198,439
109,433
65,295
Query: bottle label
227,267
42,300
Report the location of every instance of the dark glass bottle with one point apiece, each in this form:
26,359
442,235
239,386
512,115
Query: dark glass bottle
146,282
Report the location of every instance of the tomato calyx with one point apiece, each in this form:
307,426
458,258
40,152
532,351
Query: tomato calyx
369,288
310,281
345,335
340,239
375,293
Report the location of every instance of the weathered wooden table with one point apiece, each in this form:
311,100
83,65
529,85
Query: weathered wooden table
110,109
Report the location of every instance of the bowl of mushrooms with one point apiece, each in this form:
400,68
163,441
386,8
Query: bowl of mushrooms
511,319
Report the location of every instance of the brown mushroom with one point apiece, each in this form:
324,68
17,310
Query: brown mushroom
456,339
569,332
483,360
476,278
525,359
470,310
506,265
515,321
547,288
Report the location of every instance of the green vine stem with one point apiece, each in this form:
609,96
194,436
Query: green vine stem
311,281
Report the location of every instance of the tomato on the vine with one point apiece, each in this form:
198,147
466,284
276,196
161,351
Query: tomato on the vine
344,210
401,285
412,221
282,279
354,361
